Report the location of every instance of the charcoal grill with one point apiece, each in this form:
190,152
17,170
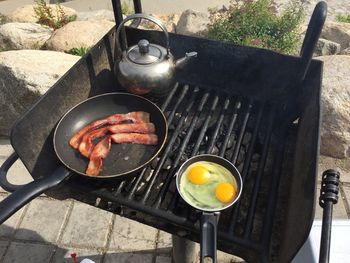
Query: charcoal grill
257,108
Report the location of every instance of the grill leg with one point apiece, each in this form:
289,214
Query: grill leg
183,250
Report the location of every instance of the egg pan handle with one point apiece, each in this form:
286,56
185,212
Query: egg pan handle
208,236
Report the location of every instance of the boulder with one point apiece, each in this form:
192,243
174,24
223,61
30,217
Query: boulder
23,36
169,21
337,32
345,51
26,13
25,75
335,129
192,23
325,47
78,34
102,14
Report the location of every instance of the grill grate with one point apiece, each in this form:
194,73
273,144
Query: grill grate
211,121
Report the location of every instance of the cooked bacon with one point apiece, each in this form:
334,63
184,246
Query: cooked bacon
86,146
133,127
99,152
135,117
149,139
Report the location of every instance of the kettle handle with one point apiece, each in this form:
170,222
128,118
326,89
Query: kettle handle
147,17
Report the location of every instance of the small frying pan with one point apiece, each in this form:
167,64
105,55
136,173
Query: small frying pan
123,159
209,215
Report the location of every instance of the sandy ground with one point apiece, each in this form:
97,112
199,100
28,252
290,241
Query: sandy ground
149,6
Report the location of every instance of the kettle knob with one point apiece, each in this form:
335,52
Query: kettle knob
143,45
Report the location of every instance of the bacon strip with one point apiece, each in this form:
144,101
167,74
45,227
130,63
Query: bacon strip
148,139
135,117
86,146
133,127
99,152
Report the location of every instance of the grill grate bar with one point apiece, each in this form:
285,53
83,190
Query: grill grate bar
217,128
230,128
201,136
183,146
170,145
248,229
169,97
240,137
163,107
275,179
246,167
181,97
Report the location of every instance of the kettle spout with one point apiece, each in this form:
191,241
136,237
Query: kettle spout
180,63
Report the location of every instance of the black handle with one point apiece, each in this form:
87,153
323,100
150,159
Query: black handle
4,183
312,35
328,197
28,192
208,236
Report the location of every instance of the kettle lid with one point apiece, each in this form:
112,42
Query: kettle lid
144,53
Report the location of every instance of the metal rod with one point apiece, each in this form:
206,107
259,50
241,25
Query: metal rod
230,127
246,166
173,112
137,6
169,97
217,128
326,232
240,137
183,146
168,148
248,228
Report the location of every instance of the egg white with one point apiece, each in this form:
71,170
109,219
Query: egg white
203,195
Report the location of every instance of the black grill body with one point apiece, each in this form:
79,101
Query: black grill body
249,105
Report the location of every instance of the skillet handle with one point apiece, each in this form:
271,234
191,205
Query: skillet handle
208,236
4,183
26,193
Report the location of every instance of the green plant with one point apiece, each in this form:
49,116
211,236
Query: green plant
53,18
256,23
125,8
343,18
78,51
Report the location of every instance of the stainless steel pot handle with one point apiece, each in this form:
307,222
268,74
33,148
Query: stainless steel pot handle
147,17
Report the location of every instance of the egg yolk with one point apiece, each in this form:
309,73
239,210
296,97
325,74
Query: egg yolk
198,175
225,192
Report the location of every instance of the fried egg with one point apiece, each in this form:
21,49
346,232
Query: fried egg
208,185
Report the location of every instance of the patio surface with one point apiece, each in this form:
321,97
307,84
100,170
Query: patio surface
48,230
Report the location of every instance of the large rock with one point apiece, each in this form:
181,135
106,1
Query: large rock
102,14
24,76
325,47
78,34
335,131
169,21
337,32
192,23
345,51
23,36
26,13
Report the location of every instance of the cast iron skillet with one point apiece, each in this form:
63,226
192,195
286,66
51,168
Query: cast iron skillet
209,216
123,159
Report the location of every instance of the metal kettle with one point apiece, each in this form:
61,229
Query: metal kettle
147,67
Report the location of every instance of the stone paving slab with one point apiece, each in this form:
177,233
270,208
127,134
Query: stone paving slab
43,220
19,252
163,259
87,226
164,240
126,257
17,174
3,247
130,235
8,227
63,255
